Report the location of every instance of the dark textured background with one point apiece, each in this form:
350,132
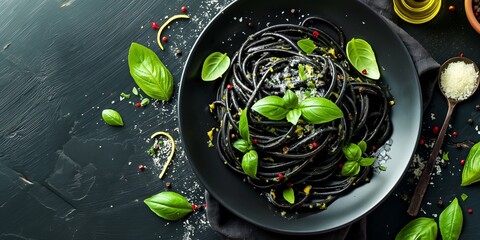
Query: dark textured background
64,174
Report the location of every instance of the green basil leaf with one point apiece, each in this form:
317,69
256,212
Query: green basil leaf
271,107
169,205
318,110
214,66
363,145
451,221
149,73
301,72
243,126
290,99
112,118
445,156
362,57
250,163
471,169
419,229
242,145
352,152
289,195
350,168
135,91
125,95
145,102
464,196
293,116
365,162
307,45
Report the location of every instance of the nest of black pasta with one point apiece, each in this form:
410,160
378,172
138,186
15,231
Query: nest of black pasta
304,157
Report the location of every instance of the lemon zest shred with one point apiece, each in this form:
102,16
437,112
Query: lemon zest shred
159,34
170,157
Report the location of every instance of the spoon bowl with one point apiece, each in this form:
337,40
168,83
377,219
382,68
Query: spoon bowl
446,64
422,184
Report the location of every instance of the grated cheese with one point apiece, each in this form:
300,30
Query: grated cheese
459,80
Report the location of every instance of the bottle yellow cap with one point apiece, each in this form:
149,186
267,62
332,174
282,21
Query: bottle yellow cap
417,11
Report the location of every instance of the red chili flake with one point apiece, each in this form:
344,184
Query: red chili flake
155,26
281,176
196,207
454,134
374,148
184,9
254,141
451,8
462,162
164,39
470,210
141,167
314,144
436,129
315,34
138,105
230,86
289,185
364,71
204,205
476,14
462,55
421,141
340,165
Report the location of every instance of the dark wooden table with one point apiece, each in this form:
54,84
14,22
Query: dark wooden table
64,174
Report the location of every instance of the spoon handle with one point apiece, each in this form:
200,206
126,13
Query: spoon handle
422,184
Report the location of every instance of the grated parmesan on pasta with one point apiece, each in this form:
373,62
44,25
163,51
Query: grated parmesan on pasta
459,80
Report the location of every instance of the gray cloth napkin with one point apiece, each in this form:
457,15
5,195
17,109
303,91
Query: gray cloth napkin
231,227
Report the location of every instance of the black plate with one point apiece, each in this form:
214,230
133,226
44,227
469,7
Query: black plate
225,33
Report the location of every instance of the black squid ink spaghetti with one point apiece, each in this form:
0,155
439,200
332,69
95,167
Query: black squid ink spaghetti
298,166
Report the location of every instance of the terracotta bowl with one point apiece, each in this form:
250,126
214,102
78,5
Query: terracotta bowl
471,16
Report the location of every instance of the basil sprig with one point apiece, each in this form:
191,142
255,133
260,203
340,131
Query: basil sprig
354,155
307,45
169,205
451,221
362,57
419,229
450,224
214,66
244,145
112,118
149,73
471,169
314,110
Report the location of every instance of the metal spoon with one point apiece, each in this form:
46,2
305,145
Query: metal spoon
422,184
